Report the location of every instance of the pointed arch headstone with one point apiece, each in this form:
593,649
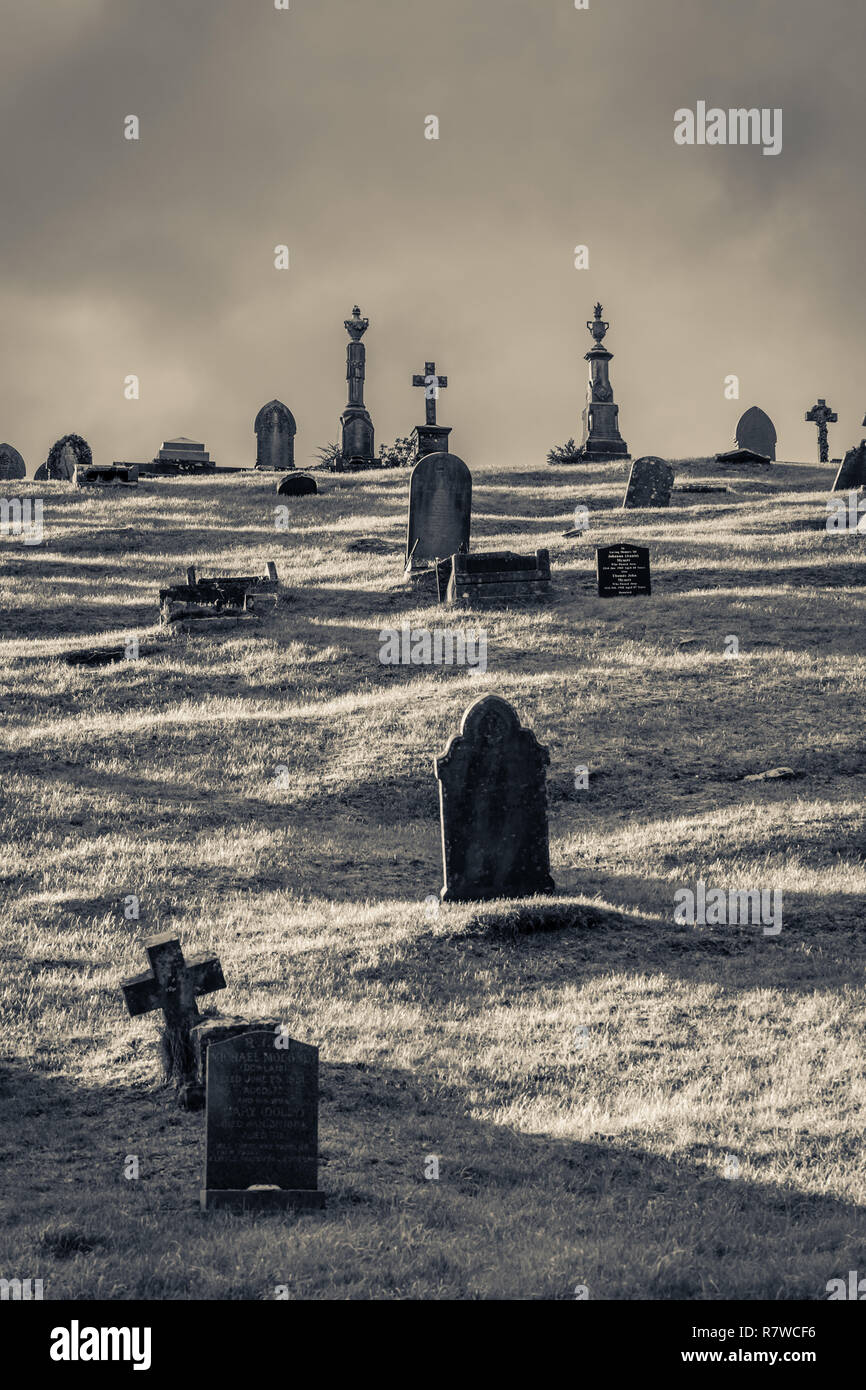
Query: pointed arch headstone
275,431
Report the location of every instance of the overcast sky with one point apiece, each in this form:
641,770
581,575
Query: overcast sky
306,127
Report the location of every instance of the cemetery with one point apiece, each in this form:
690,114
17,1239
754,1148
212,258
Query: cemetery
433,799
450,889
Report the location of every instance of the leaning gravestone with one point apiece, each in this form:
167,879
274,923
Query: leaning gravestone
440,509
650,483
275,431
297,485
757,433
493,806
262,1124
852,473
623,570
11,463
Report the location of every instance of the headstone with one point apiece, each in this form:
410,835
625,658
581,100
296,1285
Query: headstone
601,437
493,807
650,483
623,570
65,455
275,431
297,485
172,984
757,433
852,473
262,1120
493,577
440,509
430,438
822,416
11,463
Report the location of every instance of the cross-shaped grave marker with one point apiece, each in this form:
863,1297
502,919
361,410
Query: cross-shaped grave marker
822,416
433,383
171,984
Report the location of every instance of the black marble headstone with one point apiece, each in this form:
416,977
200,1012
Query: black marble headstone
262,1147
623,570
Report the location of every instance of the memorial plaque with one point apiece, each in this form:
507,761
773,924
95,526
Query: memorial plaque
623,570
440,508
262,1145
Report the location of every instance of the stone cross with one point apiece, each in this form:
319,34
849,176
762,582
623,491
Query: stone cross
171,984
432,383
822,416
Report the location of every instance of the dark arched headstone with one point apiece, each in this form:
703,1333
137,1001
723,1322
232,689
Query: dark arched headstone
12,464
757,433
275,430
297,485
440,509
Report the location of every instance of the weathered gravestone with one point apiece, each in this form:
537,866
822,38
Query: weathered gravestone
852,473
262,1124
650,483
440,509
297,485
275,431
11,463
171,984
822,415
757,433
623,570
495,576
493,806
64,456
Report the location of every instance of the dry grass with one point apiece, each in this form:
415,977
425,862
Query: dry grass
582,1083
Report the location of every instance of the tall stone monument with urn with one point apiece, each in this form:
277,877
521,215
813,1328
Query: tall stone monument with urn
601,437
356,447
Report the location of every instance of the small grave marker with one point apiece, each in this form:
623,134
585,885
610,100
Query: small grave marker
172,984
623,570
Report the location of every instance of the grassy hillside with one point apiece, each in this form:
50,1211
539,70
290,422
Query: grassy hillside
586,1077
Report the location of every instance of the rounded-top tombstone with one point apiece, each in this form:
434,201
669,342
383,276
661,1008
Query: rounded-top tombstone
757,432
12,464
65,455
297,485
275,430
440,509
650,483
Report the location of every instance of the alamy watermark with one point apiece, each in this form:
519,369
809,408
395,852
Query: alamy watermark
760,907
846,513
407,646
22,518
737,126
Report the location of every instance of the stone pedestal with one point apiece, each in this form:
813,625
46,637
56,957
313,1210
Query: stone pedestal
601,437
357,449
429,439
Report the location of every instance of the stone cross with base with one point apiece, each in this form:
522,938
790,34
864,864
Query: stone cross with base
822,416
171,984
430,438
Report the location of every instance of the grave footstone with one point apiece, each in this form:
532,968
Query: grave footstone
852,473
297,485
275,431
493,807
623,570
11,463
650,483
262,1113
757,433
440,509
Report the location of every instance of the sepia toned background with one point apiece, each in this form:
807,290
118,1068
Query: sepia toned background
306,127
